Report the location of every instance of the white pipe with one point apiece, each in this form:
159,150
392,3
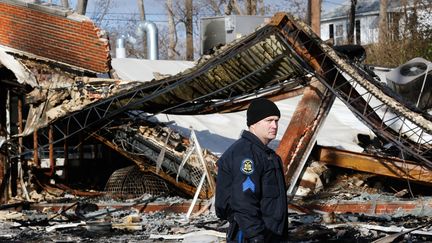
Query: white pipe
152,38
120,47
195,198
424,82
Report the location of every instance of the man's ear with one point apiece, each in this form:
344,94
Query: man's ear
252,127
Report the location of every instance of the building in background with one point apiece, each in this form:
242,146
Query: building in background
335,24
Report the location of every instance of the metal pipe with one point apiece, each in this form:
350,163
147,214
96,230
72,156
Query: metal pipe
51,150
152,38
20,125
66,156
121,47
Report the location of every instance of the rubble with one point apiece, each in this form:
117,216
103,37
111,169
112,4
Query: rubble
128,220
106,225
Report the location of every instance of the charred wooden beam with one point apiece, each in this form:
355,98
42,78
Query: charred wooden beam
383,166
370,207
35,148
176,207
299,137
310,114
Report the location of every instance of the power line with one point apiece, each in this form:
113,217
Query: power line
128,13
129,20
334,3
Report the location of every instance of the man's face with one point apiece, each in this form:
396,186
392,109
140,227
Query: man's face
266,129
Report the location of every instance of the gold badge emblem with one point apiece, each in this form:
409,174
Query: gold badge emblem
247,167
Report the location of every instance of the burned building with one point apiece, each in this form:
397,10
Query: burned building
50,67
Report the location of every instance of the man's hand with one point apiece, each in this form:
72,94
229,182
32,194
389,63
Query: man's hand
257,239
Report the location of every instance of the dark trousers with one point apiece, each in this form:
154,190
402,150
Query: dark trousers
235,235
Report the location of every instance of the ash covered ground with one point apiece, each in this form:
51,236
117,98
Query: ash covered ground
128,225
85,222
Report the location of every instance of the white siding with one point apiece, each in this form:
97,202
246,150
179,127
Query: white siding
368,29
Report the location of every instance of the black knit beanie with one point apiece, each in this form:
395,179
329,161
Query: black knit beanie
260,109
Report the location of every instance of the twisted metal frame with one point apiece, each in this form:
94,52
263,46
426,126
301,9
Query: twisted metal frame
92,117
378,108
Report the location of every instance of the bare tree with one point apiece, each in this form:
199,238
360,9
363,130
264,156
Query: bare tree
65,3
298,8
81,7
352,14
231,6
228,8
101,9
215,6
383,22
141,9
413,20
172,34
189,30
406,34
251,7
261,7
163,41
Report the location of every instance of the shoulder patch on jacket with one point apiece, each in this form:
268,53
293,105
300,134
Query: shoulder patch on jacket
247,167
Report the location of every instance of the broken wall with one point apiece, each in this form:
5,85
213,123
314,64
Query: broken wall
56,34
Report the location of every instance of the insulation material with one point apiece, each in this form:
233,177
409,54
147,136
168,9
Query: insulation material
62,93
22,74
132,68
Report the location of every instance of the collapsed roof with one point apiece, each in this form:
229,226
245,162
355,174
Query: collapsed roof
275,59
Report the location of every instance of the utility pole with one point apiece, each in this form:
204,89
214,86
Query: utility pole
314,8
172,35
382,34
189,31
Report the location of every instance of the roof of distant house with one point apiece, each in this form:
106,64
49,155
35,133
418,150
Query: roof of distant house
362,7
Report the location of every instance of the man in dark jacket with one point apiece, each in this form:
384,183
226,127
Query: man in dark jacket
250,191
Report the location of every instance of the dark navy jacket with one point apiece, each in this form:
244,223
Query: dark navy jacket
251,188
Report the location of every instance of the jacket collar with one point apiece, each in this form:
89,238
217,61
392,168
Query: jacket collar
255,140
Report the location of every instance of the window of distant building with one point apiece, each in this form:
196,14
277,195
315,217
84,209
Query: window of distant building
339,34
339,30
357,32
